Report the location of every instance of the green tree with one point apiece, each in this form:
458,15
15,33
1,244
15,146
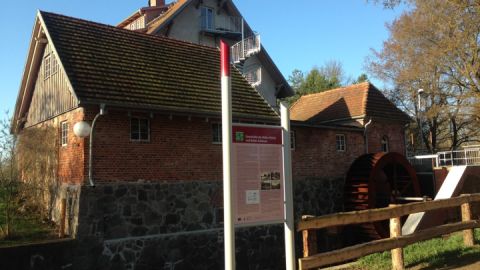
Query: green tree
296,79
362,78
318,79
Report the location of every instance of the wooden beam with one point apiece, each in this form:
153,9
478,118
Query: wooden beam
397,253
353,252
309,242
309,238
468,238
364,216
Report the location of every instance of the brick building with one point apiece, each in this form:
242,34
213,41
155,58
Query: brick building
157,152
162,98
334,127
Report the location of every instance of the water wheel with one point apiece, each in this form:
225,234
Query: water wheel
375,181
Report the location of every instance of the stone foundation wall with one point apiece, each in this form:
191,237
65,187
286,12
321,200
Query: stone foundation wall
179,225
71,193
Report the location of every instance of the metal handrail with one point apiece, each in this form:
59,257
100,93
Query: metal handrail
245,48
465,157
226,24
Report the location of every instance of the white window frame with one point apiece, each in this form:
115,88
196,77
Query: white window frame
340,142
54,64
47,65
139,139
384,144
216,128
205,23
64,133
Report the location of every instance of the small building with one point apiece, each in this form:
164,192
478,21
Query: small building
334,127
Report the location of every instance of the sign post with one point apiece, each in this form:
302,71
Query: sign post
229,230
288,189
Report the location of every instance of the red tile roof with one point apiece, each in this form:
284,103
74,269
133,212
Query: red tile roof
354,101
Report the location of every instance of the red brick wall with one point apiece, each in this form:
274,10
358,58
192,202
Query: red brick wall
315,153
394,132
179,149
70,157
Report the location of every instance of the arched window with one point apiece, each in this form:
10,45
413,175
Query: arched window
385,144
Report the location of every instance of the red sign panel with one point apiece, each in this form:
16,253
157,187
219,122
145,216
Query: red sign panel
257,174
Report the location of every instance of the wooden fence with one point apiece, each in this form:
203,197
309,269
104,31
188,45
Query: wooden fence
395,243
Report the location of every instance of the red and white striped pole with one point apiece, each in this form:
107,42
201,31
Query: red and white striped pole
228,219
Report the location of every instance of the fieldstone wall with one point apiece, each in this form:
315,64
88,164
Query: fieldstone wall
179,225
111,211
71,193
197,250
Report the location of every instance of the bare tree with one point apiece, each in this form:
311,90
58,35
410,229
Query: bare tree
435,47
28,182
8,178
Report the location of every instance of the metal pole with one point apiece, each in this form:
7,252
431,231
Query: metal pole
288,190
243,38
229,230
90,145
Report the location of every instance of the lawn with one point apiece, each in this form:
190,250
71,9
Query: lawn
25,228
432,254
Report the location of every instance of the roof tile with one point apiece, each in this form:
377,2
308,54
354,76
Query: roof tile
357,100
108,64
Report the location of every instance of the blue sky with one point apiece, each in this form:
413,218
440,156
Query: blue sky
297,33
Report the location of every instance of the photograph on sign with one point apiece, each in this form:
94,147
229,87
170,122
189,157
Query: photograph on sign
257,170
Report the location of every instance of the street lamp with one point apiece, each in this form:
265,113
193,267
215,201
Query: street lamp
82,130
419,96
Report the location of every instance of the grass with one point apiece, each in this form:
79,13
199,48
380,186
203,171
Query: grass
431,254
25,228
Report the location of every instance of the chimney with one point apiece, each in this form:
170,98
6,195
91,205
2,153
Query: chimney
156,3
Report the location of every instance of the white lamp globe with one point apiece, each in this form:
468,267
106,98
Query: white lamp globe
81,129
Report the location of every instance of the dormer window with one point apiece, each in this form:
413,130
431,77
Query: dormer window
207,18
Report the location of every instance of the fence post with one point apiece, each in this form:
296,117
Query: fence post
468,239
63,212
397,253
309,241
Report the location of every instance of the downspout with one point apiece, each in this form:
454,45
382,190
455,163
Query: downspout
90,152
365,133
406,139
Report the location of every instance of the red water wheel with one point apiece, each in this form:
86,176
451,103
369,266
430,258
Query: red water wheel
375,181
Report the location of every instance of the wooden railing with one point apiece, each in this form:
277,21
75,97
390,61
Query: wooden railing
395,243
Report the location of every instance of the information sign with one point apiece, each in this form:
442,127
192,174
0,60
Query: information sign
257,171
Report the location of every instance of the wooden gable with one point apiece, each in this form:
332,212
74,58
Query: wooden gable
42,97
52,95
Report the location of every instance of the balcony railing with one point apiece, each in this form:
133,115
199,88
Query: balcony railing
221,24
468,156
245,48
465,157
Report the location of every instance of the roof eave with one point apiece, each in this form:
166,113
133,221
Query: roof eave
163,109
34,42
